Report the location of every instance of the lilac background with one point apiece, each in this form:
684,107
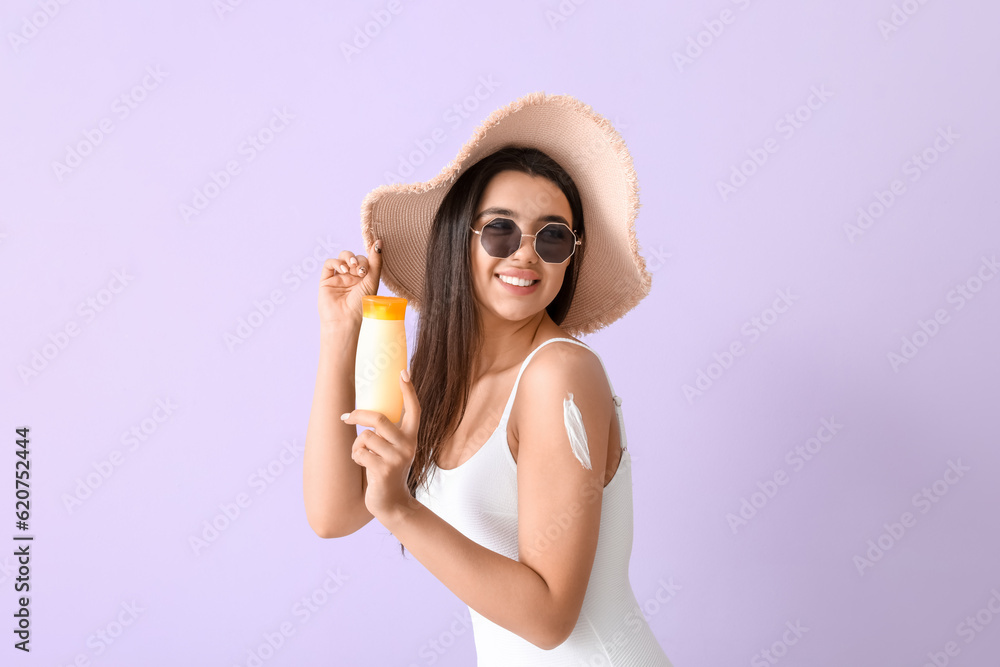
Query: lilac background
716,261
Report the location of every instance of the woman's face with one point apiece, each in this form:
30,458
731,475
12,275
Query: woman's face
531,202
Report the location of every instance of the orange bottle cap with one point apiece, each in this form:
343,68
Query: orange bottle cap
383,307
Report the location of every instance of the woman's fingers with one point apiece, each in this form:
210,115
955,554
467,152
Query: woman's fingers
371,443
410,422
375,257
348,262
345,263
330,268
378,422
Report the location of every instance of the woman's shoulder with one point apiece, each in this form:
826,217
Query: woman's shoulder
566,358
561,370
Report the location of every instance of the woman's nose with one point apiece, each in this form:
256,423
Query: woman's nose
527,250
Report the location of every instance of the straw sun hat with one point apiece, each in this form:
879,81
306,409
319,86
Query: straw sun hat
612,277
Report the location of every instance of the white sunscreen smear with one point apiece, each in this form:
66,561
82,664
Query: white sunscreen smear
577,434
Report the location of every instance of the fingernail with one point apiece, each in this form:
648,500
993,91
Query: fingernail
361,271
378,247
353,261
345,415
405,374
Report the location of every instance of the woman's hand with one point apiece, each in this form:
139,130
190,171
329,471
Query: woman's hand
387,454
343,281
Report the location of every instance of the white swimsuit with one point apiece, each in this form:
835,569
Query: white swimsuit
479,498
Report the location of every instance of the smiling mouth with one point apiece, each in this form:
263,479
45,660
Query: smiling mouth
501,279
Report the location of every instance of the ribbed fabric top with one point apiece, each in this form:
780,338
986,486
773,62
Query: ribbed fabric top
479,498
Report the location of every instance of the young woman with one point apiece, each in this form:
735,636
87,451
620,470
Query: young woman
508,476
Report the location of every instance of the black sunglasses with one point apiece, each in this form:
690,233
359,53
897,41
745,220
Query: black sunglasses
554,243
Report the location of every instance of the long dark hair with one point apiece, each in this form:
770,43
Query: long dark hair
449,332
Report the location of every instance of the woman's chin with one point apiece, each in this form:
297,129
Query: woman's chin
521,314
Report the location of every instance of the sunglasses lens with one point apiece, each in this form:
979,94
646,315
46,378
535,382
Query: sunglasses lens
501,238
555,243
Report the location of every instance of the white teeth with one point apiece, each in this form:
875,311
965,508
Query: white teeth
520,282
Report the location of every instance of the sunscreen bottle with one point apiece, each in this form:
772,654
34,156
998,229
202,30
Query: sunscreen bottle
381,356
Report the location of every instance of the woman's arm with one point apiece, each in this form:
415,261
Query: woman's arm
538,597
332,483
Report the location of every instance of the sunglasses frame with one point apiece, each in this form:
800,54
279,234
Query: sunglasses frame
534,238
